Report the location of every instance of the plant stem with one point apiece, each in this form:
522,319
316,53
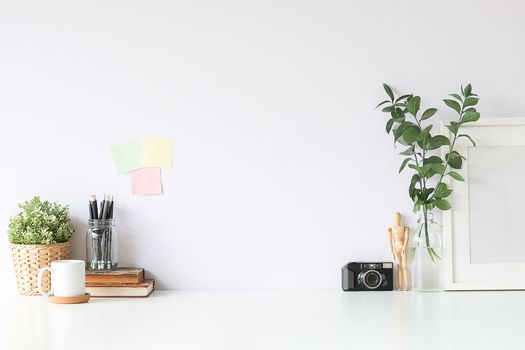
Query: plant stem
450,150
422,181
427,238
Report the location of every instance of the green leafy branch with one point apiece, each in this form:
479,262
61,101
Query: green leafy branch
413,129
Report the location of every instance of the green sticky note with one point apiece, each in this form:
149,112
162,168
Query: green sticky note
157,152
127,156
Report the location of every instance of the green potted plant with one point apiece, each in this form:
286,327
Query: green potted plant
432,158
38,234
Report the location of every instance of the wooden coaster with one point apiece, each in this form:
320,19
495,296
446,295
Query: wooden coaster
69,300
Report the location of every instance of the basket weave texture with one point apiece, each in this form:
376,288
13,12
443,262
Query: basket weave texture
29,258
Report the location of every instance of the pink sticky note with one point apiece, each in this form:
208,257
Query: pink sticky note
146,181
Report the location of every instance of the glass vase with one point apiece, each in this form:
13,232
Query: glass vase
426,252
101,245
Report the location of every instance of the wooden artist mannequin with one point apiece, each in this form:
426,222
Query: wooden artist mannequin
398,242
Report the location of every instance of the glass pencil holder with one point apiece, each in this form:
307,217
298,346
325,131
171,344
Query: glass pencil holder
101,245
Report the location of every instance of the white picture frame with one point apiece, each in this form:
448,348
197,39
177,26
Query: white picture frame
484,232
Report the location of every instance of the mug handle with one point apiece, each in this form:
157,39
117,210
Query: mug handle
39,281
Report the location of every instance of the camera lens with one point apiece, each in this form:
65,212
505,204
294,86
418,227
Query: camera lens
371,279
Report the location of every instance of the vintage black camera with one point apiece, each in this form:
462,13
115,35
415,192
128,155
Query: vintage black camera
359,276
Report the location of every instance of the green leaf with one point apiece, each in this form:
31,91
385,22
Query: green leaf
432,160
428,113
411,134
387,109
421,170
389,125
415,194
455,175
453,127
408,152
454,160
438,168
470,117
468,137
426,131
403,97
453,104
402,141
426,192
413,104
397,114
398,132
424,143
412,190
399,104
382,103
394,114
468,90
442,191
397,136
438,141
404,164
424,169
424,138
456,96
471,101
442,204
430,172
415,179
389,91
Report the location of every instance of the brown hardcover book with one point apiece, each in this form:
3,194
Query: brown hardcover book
123,290
120,275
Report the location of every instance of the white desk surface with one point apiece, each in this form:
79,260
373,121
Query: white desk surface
245,320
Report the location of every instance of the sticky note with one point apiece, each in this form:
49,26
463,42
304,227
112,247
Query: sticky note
127,156
146,181
157,152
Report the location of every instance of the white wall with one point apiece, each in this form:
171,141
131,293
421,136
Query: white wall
282,169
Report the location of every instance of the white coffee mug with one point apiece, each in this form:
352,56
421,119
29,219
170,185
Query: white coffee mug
68,278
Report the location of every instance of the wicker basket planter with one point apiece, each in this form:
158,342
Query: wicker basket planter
28,259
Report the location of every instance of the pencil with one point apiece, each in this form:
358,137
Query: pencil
102,207
95,207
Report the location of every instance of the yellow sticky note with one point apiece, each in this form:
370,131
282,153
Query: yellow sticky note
157,152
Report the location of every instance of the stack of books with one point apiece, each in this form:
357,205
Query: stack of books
123,282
